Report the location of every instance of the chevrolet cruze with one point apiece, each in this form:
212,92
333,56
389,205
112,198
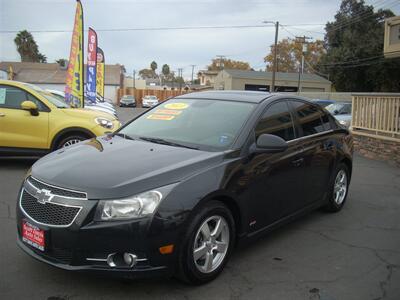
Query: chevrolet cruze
177,188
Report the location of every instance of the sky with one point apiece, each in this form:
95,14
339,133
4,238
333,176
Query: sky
135,49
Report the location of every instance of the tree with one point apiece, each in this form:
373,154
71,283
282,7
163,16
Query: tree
27,48
289,54
62,62
165,70
354,43
218,64
147,73
153,66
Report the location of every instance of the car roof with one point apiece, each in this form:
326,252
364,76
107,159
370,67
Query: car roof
240,96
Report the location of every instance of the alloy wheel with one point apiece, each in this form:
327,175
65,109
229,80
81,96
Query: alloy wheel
71,142
340,187
211,244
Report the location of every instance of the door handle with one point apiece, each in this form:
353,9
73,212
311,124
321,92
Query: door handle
328,146
297,162
2,114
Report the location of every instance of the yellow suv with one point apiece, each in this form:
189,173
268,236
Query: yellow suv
33,122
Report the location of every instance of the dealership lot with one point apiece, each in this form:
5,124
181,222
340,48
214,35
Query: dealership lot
354,254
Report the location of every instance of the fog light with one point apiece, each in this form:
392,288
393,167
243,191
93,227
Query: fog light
130,259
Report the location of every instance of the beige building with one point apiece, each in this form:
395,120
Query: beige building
207,77
52,76
261,81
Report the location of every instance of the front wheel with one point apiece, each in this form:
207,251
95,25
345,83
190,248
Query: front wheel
207,244
339,189
70,140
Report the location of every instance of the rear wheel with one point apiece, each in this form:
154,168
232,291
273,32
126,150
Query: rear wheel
70,140
207,244
339,189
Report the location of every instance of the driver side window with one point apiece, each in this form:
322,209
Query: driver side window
12,97
277,120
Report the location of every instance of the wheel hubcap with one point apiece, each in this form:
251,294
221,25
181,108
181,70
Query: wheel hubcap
340,187
71,142
211,244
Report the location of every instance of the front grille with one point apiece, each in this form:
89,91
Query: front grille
56,190
48,213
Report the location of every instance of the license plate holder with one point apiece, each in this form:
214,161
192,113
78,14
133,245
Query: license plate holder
33,236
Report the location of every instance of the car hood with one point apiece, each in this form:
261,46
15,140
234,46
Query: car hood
112,167
342,117
87,113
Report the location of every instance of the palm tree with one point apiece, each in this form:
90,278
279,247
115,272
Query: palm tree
27,47
153,66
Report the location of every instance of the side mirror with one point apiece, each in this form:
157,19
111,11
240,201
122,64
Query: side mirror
31,106
270,143
335,112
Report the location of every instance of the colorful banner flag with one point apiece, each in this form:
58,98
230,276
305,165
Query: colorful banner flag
74,81
91,66
10,75
100,73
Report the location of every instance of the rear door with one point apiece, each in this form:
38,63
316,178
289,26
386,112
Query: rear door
318,149
18,128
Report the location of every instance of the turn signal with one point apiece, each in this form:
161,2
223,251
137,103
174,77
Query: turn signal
166,249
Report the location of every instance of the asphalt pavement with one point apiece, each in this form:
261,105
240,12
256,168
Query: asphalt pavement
354,254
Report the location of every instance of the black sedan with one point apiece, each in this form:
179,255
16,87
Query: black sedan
127,101
174,190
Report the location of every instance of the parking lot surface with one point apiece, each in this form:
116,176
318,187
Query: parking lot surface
354,254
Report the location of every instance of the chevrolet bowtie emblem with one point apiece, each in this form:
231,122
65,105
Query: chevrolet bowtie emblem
43,196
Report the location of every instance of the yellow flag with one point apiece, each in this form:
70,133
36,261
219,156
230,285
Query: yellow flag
100,73
74,82
10,73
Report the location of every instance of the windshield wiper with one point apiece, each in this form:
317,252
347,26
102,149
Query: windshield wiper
165,142
123,135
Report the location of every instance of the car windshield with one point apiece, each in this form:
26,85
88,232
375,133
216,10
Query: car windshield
56,100
203,124
49,96
127,98
339,108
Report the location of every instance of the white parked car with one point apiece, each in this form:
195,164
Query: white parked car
149,101
88,105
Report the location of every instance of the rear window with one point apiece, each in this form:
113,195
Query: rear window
310,117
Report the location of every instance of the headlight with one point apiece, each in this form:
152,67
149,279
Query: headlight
103,122
137,206
344,122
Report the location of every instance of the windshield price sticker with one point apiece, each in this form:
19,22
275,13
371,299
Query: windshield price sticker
2,96
168,112
160,117
176,105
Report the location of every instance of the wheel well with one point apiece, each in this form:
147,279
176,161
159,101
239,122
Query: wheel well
348,164
68,132
234,208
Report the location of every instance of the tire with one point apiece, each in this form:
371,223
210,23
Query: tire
199,272
339,189
71,139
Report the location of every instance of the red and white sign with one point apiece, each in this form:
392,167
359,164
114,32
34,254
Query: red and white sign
33,235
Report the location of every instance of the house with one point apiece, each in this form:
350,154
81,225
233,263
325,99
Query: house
207,77
260,81
52,76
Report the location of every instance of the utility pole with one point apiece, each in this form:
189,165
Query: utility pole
180,77
192,72
274,68
303,40
134,78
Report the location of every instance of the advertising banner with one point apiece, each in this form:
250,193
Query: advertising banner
91,66
100,73
74,80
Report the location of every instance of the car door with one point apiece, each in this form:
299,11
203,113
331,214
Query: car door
18,127
275,176
318,149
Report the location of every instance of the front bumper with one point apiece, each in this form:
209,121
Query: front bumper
85,244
